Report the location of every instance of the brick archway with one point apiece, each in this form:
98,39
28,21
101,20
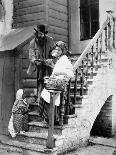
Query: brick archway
103,122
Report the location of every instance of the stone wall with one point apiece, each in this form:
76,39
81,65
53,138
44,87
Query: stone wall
103,123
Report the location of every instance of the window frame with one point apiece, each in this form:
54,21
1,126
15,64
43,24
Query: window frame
90,21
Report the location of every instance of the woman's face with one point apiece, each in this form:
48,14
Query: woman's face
56,52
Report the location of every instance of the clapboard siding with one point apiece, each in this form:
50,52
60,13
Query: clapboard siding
58,19
61,2
16,1
29,10
57,7
58,15
58,30
59,37
29,3
29,23
28,17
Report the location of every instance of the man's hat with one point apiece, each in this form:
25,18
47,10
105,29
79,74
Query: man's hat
42,28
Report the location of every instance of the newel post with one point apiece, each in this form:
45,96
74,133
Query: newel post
50,139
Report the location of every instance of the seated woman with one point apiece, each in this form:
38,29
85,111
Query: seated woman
62,67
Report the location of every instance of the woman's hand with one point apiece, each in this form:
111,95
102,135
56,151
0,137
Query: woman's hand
50,63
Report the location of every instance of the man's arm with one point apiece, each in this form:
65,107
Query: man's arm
32,51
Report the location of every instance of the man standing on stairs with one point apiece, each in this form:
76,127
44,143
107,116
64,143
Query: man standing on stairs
39,52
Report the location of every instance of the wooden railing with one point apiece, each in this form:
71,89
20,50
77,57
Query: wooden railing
85,67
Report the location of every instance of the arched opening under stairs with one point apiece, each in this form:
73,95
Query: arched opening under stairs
103,123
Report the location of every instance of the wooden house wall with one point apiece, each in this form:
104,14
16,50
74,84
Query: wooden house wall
51,12
22,79
58,19
28,12
7,85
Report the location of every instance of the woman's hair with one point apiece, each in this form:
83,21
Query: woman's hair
62,46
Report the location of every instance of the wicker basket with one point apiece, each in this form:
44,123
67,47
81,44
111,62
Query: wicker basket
57,82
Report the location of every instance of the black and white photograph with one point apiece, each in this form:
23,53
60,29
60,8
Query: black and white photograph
57,77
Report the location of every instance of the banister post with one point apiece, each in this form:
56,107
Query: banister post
96,56
100,46
82,78
92,63
62,101
86,72
106,35
68,99
50,139
75,86
114,33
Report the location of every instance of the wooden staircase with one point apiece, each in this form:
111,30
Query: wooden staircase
35,140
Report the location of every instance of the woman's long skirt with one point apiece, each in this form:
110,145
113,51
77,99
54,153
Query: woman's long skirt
20,122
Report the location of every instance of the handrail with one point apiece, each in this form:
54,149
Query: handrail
78,62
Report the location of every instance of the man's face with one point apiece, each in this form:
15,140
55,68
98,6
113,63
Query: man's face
39,32
56,52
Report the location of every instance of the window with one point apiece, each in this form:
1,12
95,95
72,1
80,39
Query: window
2,11
89,18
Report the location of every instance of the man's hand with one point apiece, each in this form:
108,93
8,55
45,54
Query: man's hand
49,62
37,62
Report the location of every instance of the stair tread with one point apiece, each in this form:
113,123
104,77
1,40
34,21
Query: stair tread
90,80
78,87
11,142
70,116
34,113
45,125
35,103
77,96
39,135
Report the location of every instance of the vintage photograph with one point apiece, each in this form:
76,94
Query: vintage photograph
57,77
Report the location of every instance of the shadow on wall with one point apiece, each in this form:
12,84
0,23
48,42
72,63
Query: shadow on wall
103,123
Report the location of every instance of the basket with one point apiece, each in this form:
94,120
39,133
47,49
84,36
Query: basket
57,82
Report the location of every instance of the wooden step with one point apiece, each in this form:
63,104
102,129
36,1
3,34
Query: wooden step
104,58
78,99
25,148
29,83
90,81
85,89
70,119
34,116
81,103
37,138
27,76
30,91
42,127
